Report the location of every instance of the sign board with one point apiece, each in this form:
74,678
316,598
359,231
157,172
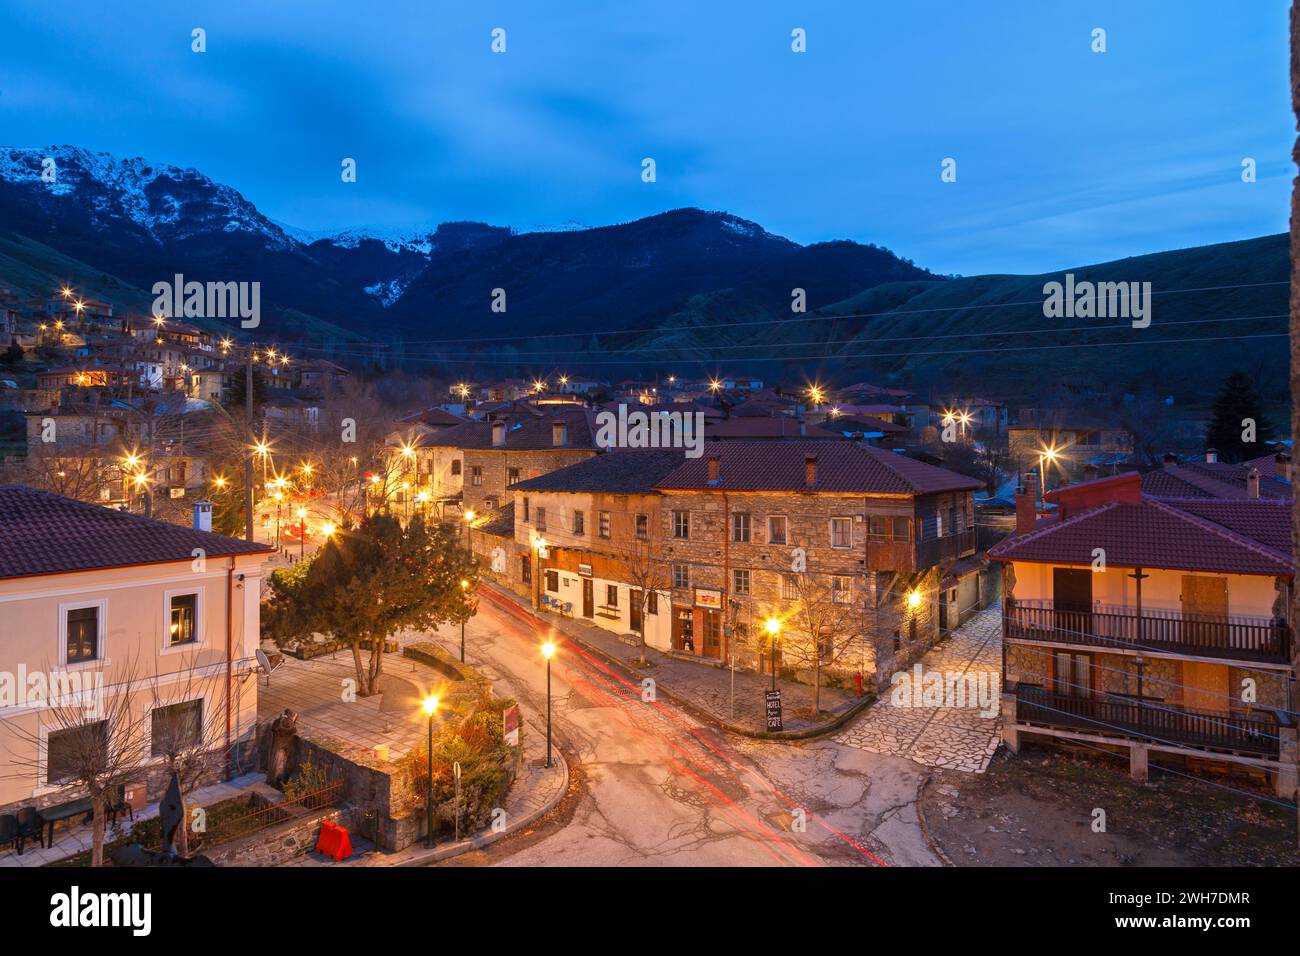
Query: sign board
584,570
510,724
773,699
706,598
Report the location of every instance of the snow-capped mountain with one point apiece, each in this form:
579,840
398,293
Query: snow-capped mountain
166,202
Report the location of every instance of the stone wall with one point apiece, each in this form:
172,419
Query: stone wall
278,844
496,464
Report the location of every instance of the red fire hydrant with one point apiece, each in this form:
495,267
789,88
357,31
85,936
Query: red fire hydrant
858,678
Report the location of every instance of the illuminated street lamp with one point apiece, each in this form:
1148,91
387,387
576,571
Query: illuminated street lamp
816,395
1046,454
914,599
773,627
548,651
430,707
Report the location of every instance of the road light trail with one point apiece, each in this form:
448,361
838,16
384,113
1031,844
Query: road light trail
726,763
744,823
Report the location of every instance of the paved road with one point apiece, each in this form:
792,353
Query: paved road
659,788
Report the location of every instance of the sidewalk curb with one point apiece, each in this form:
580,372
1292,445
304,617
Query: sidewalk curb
700,713
930,841
478,841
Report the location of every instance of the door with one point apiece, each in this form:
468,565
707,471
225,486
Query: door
588,598
1072,674
712,626
1072,602
635,610
1205,611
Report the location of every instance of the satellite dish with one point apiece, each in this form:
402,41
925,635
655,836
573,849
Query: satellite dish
263,661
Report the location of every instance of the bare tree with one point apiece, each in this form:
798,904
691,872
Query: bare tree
645,571
78,473
826,624
187,732
94,743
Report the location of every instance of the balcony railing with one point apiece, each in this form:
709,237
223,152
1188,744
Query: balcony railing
887,555
1227,638
1112,714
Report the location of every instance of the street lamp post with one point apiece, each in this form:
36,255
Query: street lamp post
773,626
548,651
302,533
430,705
469,524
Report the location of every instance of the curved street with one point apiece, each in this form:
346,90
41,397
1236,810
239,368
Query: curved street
657,787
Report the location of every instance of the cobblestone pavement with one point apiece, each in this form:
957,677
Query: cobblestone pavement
958,732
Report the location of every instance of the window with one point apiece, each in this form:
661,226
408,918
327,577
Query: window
902,529
579,523
69,749
952,520
491,502
83,634
604,524
525,509
455,467
183,610
841,532
740,527
177,727
643,526
611,595
880,526
525,570
553,581
681,576
652,602
740,580
476,475
789,587
776,529
681,524
841,589
541,519
512,476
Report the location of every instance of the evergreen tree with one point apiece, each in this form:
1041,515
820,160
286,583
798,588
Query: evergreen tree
1235,408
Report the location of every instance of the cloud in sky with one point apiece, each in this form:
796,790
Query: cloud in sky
1064,156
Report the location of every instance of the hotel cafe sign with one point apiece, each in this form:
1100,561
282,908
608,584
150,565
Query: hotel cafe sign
707,598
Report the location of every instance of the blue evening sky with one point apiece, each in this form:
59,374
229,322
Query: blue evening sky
1064,156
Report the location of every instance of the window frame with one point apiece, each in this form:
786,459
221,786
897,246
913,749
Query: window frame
101,633
199,632
742,527
849,522
681,525
736,588
785,529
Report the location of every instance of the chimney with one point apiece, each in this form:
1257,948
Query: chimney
1026,505
559,434
713,469
810,471
1171,460
1252,483
203,516
1211,456
1283,461
498,434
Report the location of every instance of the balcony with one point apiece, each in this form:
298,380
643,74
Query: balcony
1156,721
1237,638
884,554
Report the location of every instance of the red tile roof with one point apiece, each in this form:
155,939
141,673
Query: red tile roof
41,533
1155,533
842,467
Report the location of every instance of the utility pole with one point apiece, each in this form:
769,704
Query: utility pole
248,450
